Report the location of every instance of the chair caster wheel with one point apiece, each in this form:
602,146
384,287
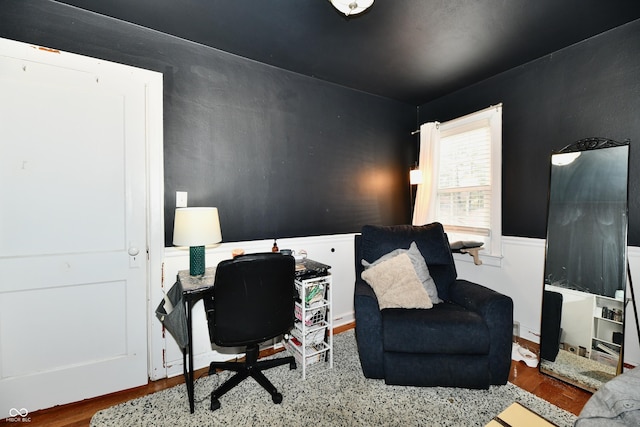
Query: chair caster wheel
215,404
292,365
277,398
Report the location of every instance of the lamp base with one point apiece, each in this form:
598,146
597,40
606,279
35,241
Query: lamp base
196,260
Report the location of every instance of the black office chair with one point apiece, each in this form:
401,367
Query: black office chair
252,301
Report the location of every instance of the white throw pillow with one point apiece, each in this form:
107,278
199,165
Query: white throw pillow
419,265
396,284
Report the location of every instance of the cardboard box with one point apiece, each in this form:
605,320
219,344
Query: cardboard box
517,415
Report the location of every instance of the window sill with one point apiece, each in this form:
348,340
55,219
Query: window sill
491,260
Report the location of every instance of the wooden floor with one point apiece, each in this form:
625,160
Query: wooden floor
561,394
79,414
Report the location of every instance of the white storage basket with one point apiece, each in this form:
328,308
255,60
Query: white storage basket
312,338
312,317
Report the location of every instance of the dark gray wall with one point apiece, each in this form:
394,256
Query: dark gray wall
285,155
278,153
589,89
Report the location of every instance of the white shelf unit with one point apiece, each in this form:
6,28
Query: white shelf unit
583,324
312,335
602,345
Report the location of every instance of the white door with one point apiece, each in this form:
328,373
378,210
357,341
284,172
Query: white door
73,244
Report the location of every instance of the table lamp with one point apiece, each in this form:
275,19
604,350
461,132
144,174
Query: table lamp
196,227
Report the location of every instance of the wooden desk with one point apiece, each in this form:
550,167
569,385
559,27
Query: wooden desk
193,289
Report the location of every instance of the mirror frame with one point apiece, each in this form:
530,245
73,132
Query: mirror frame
583,145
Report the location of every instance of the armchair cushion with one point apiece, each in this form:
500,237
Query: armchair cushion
396,284
445,329
431,240
419,265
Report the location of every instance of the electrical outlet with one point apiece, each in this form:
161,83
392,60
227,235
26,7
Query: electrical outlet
181,199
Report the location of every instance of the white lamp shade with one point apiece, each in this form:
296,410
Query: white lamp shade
415,176
196,227
351,7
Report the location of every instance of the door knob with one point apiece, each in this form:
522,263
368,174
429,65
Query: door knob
133,251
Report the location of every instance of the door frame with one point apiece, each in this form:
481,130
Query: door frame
154,159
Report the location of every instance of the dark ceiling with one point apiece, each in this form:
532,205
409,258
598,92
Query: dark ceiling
410,50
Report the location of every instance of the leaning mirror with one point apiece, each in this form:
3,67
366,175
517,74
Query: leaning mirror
586,263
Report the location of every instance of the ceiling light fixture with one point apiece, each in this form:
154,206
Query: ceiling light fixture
351,7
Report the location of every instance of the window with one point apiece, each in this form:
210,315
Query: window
462,161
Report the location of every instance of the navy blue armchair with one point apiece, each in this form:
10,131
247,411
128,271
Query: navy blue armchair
464,341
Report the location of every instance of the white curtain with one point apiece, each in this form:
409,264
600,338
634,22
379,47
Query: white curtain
424,211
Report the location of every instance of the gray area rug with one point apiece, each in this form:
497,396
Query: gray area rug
341,396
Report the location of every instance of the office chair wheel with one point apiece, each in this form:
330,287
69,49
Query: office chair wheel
277,398
215,403
292,365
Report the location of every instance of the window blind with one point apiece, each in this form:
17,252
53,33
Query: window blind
464,181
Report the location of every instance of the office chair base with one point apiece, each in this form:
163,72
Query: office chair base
249,368
215,403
